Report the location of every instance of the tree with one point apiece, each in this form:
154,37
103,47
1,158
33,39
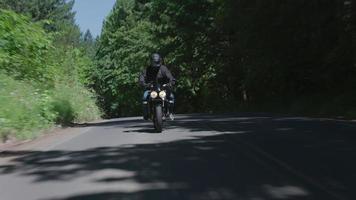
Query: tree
228,52
59,12
123,50
88,37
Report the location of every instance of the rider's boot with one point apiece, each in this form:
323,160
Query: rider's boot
171,116
171,109
145,110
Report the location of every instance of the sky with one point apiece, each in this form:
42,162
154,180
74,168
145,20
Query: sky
91,14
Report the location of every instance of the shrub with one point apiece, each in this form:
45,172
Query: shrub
24,110
40,84
24,48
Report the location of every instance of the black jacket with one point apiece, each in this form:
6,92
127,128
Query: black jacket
162,76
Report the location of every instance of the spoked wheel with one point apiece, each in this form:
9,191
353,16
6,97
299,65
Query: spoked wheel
158,122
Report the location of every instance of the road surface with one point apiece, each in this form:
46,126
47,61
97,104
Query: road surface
198,157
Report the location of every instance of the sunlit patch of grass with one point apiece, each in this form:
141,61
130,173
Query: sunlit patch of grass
25,110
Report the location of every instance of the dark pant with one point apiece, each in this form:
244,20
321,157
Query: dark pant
145,103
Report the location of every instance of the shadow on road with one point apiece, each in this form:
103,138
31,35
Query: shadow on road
212,167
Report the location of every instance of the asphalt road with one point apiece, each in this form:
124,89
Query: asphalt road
197,157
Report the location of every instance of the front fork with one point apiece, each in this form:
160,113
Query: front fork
152,105
149,107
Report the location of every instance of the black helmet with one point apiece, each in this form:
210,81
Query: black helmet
156,60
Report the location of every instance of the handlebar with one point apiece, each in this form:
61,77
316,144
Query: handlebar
152,86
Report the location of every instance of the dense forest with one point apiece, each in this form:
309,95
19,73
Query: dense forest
231,55
227,55
44,68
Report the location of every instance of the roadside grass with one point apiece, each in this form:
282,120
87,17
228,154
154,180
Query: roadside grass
74,103
25,110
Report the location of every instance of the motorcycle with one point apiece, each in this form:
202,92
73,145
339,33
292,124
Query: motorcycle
158,104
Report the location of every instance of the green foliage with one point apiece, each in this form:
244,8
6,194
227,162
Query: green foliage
23,48
236,53
57,12
24,110
191,41
124,47
73,103
89,44
42,81
182,31
296,53
56,16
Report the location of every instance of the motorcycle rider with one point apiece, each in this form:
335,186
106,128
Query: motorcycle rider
156,71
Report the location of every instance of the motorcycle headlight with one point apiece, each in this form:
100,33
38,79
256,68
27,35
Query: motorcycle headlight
162,94
154,95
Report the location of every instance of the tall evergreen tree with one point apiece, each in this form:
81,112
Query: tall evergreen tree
235,52
89,44
88,37
58,11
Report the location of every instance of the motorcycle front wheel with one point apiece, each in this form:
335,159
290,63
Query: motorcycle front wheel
158,121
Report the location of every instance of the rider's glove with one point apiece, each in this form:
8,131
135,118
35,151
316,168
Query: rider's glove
169,85
148,86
